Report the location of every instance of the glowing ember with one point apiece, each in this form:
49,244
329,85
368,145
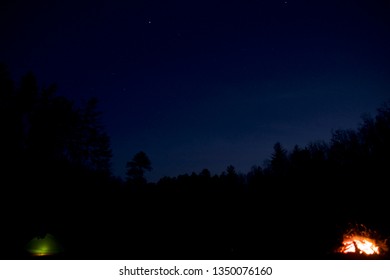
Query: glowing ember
360,240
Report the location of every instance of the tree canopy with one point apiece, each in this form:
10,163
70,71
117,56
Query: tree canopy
136,169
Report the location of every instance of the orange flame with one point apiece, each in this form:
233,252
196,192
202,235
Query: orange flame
360,240
359,244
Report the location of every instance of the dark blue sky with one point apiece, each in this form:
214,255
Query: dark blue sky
206,84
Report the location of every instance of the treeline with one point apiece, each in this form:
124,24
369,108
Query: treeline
363,153
44,133
351,163
56,177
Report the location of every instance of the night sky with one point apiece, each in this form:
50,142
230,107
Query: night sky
206,84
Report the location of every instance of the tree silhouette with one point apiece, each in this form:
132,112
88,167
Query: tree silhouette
136,169
255,176
345,151
93,147
279,161
299,160
373,137
205,173
54,155
45,135
41,128
10,122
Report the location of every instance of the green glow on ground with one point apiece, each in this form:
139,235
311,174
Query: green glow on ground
45,246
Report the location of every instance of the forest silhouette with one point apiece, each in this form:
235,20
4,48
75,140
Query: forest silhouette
56,178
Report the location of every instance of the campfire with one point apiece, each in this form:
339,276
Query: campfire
362,241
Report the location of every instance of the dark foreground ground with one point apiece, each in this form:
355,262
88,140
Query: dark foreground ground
189,225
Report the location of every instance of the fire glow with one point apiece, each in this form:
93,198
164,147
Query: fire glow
359,244
360,240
